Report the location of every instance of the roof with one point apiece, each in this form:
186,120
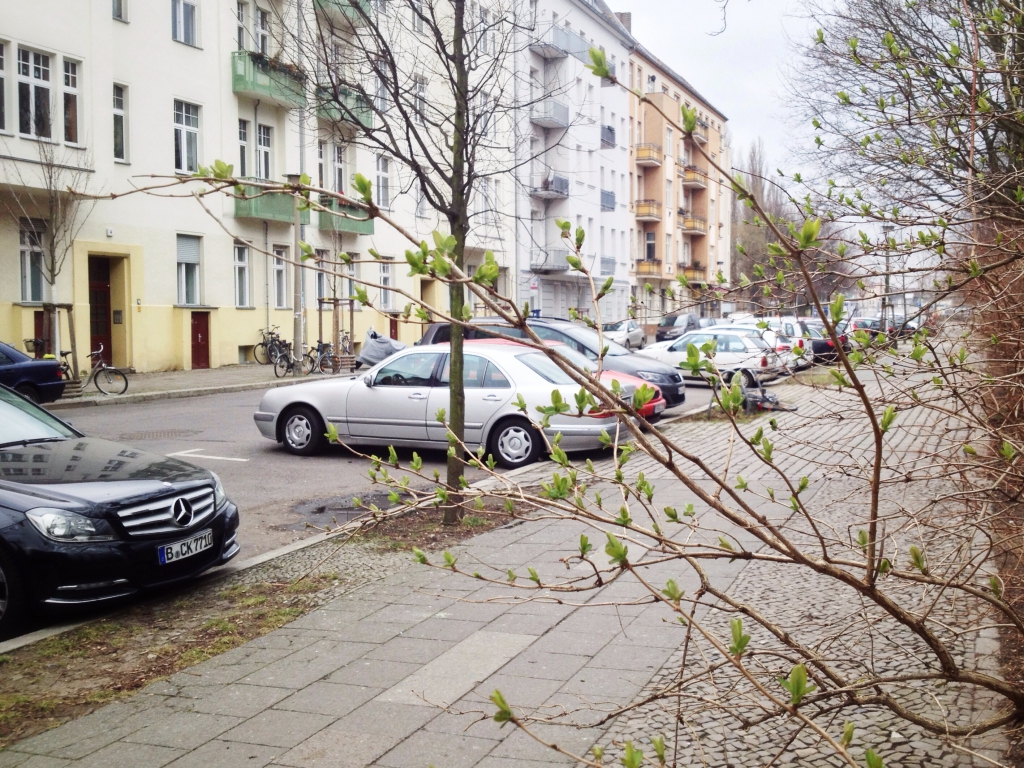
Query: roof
601,9
641,50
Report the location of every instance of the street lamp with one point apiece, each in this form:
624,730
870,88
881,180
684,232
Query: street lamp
886,229
295,178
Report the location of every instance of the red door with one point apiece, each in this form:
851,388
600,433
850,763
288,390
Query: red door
99,306
200,340
394,327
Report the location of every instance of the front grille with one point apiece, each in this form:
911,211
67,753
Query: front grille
154,518
677,377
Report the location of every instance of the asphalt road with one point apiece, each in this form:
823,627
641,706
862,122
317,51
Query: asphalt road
281,498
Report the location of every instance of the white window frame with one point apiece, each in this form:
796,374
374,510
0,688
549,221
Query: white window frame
264,151
183,14
185,268
421,203
381,97
261,30
241,11
31,248
385,284
119,10
352,274
280,278
383,182
418,25
120,109
243,147
420,99
71,102
320,163
3,87
241,274
339,168
186,136
34,74
322,278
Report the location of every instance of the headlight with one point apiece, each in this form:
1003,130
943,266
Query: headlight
219,497
61,525
652,376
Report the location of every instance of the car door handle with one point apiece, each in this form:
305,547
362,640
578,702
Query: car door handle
417,396
492,398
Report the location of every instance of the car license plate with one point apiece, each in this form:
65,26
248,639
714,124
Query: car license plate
658,408
172,553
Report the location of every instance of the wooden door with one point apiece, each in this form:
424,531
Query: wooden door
394,327
99,307
200,340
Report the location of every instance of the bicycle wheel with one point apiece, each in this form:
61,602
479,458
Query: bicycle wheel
259,352
274,351
111,381
330,364
281,367
308,364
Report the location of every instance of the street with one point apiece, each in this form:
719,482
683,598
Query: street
279,496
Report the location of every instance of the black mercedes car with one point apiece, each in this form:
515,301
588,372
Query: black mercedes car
85,520
39,380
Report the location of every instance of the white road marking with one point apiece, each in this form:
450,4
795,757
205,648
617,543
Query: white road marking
193,453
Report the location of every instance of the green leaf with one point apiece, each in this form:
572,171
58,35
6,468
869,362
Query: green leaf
585,546
872,760
616,550
888,417
420,557
504,713
632,758
689,118
449,559
797,685
332,434
363,187
741,484
598,63
672,591
739,640
863,540
658,743
917,559
847,738
996,586
671,514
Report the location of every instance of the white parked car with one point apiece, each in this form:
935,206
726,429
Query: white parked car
738,351
628,333
783,342
396,402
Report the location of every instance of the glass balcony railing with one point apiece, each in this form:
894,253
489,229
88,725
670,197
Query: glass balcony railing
607,136
340,105
269,80
550,113
607,265
544,260
607,200
268,206
345,10
549,186
353,220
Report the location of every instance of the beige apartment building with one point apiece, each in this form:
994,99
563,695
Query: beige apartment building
681,205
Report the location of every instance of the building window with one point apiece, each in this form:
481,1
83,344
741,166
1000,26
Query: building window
263,142
280,279
243,146
186,137
651,247
241,275
385,283
421,202
339,169
262,28
3,87
34,94
352,270
383,185
420,103
240,32
70,102
119,10
381,98
183,22
323,280
320,164
31,261
417,15
188,270
120,123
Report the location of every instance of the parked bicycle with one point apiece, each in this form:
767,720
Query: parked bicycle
324,359
286,362
346,343
108,379
270,347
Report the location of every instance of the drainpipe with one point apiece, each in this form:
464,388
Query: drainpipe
300,273
266,271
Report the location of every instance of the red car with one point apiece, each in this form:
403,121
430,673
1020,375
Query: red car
651,412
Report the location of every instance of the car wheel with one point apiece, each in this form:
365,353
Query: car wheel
302,431
28,391
749,382
515,443
12,597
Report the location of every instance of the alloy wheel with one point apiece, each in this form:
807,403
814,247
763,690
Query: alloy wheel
515,444
298,431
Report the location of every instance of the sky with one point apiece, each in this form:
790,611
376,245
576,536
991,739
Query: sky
739,70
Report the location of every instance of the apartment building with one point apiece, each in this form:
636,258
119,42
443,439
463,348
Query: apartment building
681,205
573,158
125,89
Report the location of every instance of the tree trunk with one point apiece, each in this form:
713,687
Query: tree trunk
55,320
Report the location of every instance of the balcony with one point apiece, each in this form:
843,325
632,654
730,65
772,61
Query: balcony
649,267
268,206
649,154
607,265
553,45
700,132
328,222
344,11
259,77
648,210
607,136
694,177
693,225
607,200
343,106
694,271
549,186
547,260
550,114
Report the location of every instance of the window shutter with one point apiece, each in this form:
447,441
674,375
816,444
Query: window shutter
188,249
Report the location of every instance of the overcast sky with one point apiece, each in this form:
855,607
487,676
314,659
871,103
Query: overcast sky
739,71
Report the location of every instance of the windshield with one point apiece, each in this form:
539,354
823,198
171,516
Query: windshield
578,359
619,326
670,320
21,421
545,367
588,338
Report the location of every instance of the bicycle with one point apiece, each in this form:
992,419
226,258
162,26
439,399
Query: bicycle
286,362
324,359
346,343
108,379
270,347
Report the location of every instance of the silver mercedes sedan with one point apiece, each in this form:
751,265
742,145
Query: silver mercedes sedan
396,403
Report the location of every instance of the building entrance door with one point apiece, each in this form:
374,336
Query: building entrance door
200,340
99,307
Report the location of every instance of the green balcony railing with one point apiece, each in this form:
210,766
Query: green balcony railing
258,77
346,10
270,206
330,105
328,222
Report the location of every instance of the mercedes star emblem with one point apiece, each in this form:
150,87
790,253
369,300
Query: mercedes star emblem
181,511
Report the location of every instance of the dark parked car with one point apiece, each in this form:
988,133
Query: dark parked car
822,346
38,380
582,339
87,521
675,325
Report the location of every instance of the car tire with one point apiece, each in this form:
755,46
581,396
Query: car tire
749,381
28,391
514,443
12,597
302,431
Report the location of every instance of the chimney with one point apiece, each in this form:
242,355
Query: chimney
626,19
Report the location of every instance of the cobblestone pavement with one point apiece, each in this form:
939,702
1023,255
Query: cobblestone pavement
397,673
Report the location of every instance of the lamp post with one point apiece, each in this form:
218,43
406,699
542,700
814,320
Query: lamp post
886,229
294,178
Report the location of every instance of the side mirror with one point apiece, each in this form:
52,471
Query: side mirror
368,380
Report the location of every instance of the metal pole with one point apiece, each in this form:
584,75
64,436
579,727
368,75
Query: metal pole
293,178
883,326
